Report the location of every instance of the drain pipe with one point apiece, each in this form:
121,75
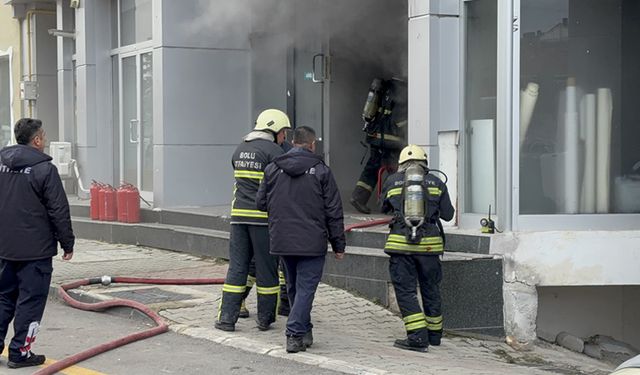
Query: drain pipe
161,327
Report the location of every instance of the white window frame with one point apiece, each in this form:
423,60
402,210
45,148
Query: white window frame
9,54
511,105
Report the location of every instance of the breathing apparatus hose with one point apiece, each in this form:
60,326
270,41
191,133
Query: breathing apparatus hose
161,327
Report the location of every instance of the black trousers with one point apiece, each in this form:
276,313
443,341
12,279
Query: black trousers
247,242
405,271
369,176
24,287
303,277
251,280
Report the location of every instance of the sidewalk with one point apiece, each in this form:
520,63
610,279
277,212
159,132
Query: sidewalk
351,334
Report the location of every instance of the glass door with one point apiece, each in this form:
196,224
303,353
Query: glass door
310,81
136,121
310,72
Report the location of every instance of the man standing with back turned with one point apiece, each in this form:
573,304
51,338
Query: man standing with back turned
305,210
34,217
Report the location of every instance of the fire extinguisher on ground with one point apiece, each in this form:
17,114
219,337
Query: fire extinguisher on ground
94,207
128,198
108,200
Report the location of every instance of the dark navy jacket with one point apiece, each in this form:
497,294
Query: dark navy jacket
304,206
34,211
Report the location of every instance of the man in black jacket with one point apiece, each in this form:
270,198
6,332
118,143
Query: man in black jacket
34,217
302,199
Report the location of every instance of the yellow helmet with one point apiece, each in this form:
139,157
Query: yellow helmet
273,120
412,152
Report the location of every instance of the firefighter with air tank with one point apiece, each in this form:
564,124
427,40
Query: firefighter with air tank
249,231
384,115
418,200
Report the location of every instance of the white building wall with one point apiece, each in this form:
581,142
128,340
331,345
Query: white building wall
202,99
94,142
560,259
434,71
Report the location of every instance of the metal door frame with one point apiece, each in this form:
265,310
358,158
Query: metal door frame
137,53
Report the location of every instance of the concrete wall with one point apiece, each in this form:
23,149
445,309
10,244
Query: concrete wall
202,99
588,311
540,259
10,41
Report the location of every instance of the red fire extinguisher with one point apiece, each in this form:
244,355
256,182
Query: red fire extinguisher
128,198
101,205
110,204
94,211
121,198
133,205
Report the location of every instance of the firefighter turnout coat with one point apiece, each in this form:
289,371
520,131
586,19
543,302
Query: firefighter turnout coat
438,206
249,161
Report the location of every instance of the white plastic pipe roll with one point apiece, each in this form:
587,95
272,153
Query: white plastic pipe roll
588,109
528,99
482,143
603,147
571,137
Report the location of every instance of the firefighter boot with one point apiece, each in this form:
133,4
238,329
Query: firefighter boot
244,313
359,199
435,337
407,344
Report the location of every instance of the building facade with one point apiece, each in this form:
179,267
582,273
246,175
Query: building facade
527,106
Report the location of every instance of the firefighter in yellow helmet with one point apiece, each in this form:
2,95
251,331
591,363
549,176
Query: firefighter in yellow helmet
249,232
417,200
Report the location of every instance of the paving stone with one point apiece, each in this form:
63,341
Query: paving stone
351,334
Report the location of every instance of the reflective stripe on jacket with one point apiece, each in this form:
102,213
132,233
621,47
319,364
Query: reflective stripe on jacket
249,161
438,207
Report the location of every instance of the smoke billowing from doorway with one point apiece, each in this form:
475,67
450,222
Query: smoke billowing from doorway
361,30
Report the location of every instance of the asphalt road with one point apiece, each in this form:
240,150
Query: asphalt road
66,331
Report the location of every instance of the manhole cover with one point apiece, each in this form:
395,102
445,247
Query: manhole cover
150,295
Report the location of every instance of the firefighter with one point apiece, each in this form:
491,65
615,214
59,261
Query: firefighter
249,232
382,133
417,200
283,306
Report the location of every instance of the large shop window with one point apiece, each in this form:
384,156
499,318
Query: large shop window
480,105
5,101
579,109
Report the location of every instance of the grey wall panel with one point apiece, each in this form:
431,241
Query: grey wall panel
206,96
44,55
194,175
206,23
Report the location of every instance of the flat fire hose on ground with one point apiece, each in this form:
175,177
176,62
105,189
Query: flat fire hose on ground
161,327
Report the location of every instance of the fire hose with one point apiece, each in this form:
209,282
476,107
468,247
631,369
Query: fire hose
161,326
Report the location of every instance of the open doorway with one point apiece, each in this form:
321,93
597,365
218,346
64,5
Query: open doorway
317,59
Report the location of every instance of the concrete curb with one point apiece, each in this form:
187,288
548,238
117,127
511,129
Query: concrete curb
229,339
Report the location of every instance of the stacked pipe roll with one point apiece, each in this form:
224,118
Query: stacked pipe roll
588,120
528,99
603,159
571,138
